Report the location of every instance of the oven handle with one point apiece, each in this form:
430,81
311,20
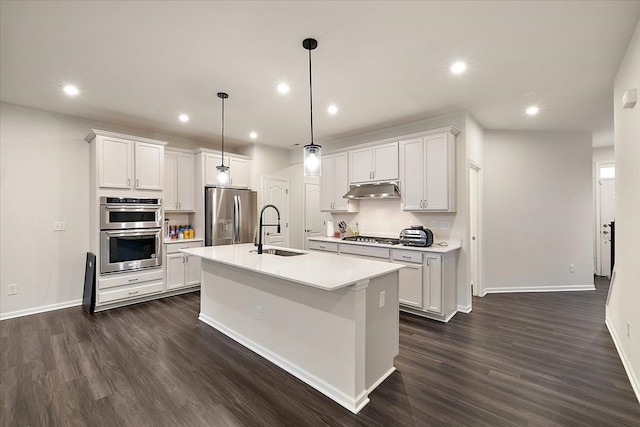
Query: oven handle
140,232
145,208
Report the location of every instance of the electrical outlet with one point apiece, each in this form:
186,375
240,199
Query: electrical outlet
59,225
444,225
572,268
12,289
258,312
434,224
382,299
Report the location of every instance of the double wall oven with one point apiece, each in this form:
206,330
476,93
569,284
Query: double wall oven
130,234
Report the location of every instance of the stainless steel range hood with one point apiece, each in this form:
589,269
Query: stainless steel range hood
377,190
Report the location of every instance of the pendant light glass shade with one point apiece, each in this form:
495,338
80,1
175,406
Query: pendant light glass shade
312,152
223,171
312,160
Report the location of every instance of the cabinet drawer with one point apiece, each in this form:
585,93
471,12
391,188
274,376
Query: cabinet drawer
130,279
365,250
172,248
323,246
406,256
129,292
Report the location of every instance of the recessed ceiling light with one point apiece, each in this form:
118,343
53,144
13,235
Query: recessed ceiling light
283,88
458,67
71,90
333,109
183,118
253,135
533,110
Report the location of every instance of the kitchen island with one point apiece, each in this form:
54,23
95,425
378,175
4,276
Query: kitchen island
330,321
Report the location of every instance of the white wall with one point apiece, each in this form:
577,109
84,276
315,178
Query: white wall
537,211
624,304
265,161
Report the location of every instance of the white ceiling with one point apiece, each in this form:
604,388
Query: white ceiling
140,64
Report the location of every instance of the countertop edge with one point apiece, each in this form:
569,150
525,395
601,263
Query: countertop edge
453,245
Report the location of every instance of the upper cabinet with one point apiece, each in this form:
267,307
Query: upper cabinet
127,162
428,169
179,180
239,170
376,163
334,183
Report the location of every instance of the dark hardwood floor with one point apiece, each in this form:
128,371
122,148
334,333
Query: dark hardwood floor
543,359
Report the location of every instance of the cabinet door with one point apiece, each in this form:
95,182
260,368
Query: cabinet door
412,161
239,171
185,182
115,161
437,172
385,162
175,270
149,161
340,182
410,286
192,270
433,284
361,165
327,190
169,198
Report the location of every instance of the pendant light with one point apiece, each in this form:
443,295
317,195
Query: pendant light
223,171
312,152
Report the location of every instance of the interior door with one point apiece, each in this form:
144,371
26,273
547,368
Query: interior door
276,192
313,225
607,202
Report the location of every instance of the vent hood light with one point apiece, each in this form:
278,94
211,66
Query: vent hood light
378,190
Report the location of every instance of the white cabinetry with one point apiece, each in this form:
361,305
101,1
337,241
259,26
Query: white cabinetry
182,270
239,170
428,173
334,183
119,288
410,285
179,180
129,164
377,163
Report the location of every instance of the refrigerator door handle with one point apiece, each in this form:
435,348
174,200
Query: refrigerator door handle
239,220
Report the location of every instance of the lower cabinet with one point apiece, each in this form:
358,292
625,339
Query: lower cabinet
181,270
427,283
119,288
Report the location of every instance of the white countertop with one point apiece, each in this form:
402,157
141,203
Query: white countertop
451,245
319,270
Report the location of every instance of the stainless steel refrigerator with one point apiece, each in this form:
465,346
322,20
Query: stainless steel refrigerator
230,216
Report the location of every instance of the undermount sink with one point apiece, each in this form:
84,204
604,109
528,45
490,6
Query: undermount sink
279,252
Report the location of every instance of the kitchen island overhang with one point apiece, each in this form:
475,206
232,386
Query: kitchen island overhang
331,322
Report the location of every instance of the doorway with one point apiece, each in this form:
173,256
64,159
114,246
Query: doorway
275,191
312,215
474,229
605,214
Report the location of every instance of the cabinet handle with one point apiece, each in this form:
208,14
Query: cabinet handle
406,257
134,280
137,182
374,174
133,292
322,246
429,261
128,182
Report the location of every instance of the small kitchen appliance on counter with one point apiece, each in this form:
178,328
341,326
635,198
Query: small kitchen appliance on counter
417,235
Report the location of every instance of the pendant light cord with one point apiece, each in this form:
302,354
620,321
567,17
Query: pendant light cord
311,97
222,163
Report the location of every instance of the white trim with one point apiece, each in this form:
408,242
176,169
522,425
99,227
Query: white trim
352,404
633,379
41,309
97,132
381,379
464,309
560,288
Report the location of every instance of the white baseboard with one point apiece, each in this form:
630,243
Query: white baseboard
633,379
41,309
465,309
352,404
560,288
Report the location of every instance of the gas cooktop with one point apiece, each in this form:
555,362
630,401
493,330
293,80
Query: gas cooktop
371,239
